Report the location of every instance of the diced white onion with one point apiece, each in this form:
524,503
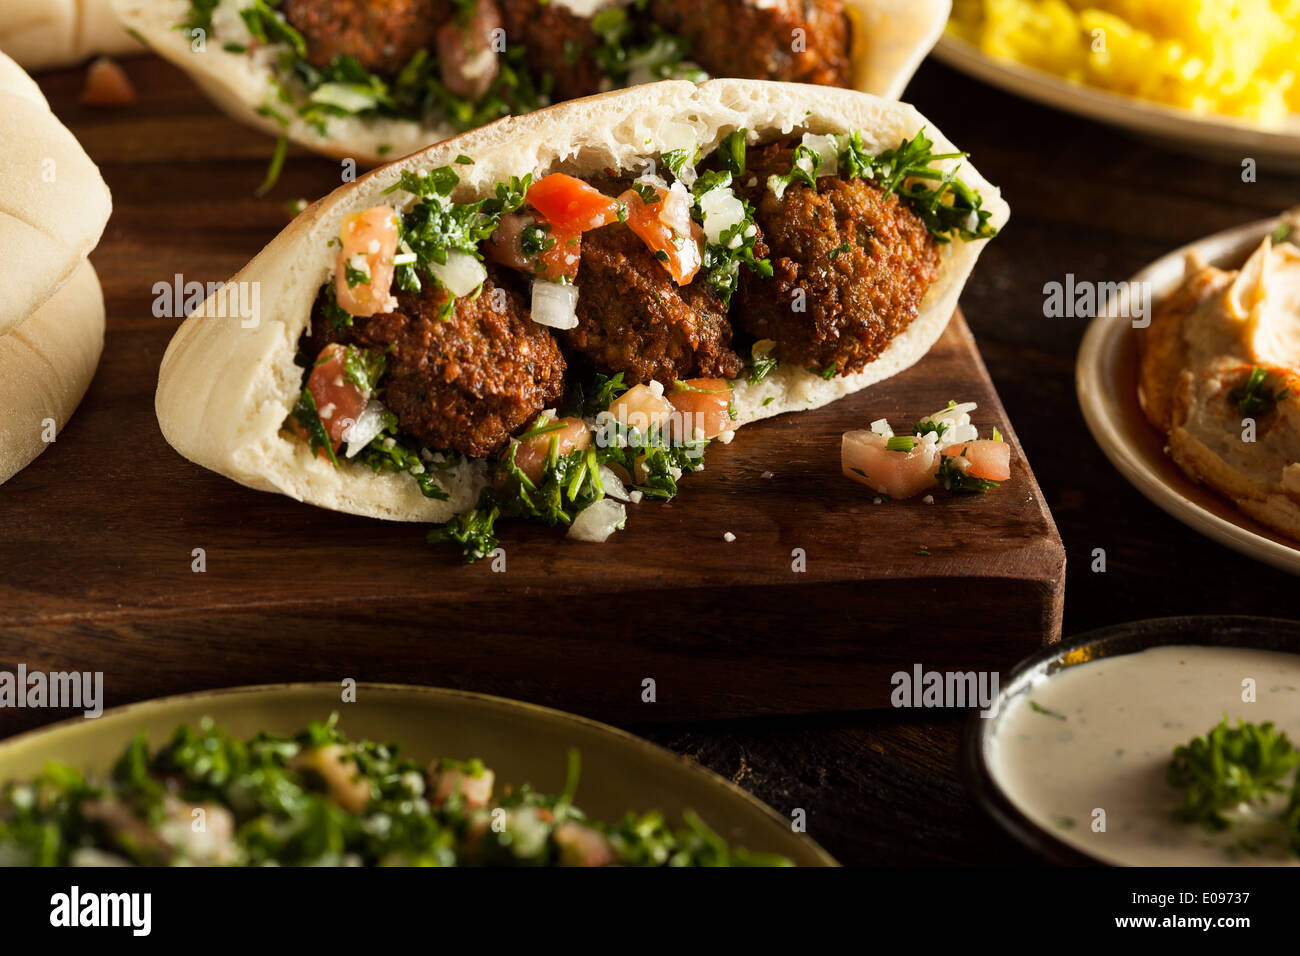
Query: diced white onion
461,274
598,521
675,135
828,148
349,97
722,211
954,412
677,209
586,9
360,263
368,424
228,25
959,424
881,427
654,179
612,483
555,304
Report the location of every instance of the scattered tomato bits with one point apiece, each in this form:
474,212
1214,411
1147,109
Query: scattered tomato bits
107,85
942,449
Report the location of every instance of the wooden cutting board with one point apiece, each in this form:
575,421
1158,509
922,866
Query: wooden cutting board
96,561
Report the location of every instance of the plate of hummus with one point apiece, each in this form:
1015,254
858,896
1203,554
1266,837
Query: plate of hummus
1198,403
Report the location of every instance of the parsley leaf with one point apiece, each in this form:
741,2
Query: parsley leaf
1254,397
1229,766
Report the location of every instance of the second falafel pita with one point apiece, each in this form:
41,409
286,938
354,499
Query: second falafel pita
555,314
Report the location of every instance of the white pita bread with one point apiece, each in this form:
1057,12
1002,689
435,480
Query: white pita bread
40,34
228,379
891,38
46,364
53,202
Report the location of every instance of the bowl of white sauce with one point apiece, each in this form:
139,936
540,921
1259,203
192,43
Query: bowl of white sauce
1075,760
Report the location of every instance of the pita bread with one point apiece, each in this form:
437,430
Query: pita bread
228,379
53,202
46,364
40,34
891,38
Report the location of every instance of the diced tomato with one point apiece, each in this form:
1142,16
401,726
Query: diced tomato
107,85
640,408
702,405
570,205
561,258
339,402
444,784
582,846
557,262
344,782
569,435
465,53
667,230
369,243
865,457
988,459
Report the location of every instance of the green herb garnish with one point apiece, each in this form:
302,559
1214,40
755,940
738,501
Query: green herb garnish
318,439
1227,767
1038,708
804,166
953,478
1254,397
900,443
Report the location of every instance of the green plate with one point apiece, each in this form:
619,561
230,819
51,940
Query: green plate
520,742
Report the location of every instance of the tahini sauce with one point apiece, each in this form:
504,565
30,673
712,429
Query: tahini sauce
1124,717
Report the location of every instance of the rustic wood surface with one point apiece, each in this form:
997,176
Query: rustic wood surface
880,787
101,570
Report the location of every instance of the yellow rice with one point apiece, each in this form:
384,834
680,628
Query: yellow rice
1237,57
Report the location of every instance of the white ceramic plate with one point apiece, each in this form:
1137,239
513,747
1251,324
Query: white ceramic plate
1106,374
1222,137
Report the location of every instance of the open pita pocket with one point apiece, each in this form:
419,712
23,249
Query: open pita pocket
890,39
41,34
228,379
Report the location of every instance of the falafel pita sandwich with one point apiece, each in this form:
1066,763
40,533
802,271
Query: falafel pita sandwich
554,315
377,79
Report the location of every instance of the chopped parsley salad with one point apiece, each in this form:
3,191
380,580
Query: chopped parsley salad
601,444
317,798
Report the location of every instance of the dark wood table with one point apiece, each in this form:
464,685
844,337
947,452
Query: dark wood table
878,787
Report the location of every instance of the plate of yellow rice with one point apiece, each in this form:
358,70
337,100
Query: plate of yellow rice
1220,76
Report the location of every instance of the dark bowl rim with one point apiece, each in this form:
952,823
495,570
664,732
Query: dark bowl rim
1116,640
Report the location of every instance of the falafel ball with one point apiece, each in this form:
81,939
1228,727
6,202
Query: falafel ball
633,318
556,41
742,39
466,382
862,261
382,35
